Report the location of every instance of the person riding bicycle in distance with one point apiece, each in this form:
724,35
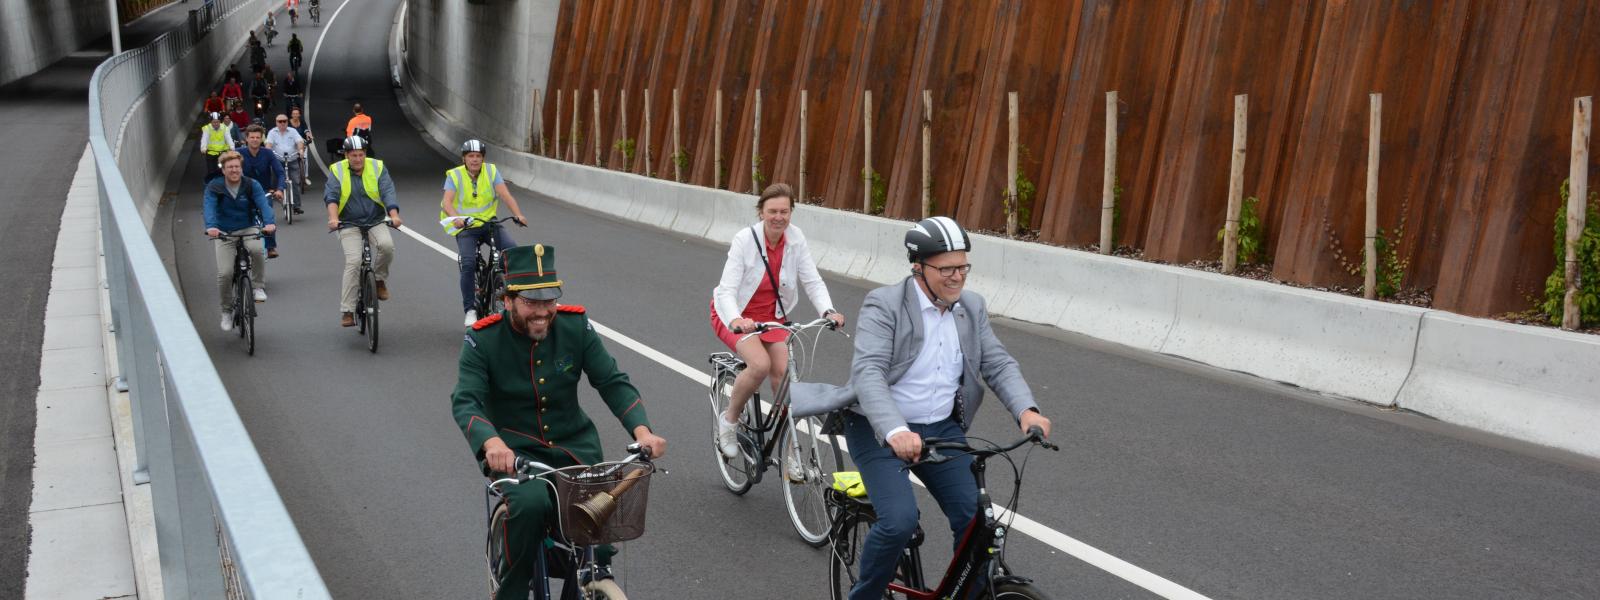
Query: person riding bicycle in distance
475,190
924,350
757,286
360,192
237,205
516,395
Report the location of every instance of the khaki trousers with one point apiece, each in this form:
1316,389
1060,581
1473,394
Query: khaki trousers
382,254
224,253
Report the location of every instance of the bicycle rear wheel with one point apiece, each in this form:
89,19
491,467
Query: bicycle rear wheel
247,313
815,462
369,288
737,472
844,556
1016,591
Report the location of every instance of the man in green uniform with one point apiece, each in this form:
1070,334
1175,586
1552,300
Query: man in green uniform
517,394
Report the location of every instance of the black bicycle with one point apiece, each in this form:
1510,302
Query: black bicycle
367,287
979,564
599,504
487,275
811,451
244,305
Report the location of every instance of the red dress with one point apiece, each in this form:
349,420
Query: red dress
763,306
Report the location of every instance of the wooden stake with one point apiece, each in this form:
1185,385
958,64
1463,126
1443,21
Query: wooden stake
622,125
572,140
1108,188
802,191
755,149
1230,239
596,95
677,149
927,143
1369,285
646,134
716,144
557,130
1012,208
536,126
1577,203
866,152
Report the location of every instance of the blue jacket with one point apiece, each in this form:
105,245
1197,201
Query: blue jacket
264,168
228,212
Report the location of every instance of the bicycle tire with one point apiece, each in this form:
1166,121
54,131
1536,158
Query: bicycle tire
247,314
737,473
363,296
289,192
494,550
843,556
372,312
1016,591
807,507
494,302
480,287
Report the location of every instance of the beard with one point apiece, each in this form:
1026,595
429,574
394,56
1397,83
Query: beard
522,326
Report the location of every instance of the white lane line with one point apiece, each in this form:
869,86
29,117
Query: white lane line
1129,572
311,70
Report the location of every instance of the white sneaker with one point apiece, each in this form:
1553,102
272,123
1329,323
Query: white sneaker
794,467
260,295
227,321
472,317
727,437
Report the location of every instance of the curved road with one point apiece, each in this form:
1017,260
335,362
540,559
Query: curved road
1220,483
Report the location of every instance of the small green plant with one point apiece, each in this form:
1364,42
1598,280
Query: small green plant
1555,286
626,147
1251,236
758,178
1023,203
879,193
680,159
1391,268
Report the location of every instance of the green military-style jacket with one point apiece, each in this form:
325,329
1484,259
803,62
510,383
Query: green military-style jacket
527,393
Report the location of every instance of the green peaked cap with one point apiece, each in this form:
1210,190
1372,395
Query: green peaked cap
530,272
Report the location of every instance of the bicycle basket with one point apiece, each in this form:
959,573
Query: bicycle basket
600,505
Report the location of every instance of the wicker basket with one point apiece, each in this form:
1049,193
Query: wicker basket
601,507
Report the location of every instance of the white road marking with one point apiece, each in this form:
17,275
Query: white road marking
1156,584
311,70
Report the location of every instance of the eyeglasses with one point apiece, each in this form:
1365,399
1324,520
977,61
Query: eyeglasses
951,271
283,120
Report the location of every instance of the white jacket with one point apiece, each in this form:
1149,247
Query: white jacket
744,270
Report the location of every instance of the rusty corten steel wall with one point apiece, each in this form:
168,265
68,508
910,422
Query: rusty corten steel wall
1477,115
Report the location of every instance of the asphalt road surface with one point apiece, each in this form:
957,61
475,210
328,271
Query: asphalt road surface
1220,483
45,117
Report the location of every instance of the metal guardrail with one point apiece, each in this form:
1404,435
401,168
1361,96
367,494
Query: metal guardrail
222,530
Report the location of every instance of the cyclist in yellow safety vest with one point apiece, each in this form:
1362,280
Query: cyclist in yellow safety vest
215,138
360,193
474,190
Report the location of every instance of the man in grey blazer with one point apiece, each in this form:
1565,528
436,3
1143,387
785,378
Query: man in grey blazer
922,346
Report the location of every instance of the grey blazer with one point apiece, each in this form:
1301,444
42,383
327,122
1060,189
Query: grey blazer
888,338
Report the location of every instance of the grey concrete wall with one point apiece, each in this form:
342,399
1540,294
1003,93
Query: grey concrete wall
479,63
36,33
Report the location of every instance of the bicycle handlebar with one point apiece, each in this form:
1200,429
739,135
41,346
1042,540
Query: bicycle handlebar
789,325
352,224
527,468
471,220
931,447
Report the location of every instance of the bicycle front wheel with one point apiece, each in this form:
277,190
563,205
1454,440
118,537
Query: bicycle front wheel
845,557
737,472
808,467
493,301
369,288
289,193
494,549
1017,591
247,314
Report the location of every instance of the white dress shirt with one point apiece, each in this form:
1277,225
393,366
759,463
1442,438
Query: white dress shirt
927,392
284,143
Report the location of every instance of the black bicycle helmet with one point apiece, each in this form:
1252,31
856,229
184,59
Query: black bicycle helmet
474,146
935,235
355,142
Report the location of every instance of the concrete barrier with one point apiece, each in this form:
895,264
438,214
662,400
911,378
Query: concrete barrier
1538,385
1530,384
1316,340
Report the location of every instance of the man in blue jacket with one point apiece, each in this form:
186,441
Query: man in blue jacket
263,166
236,205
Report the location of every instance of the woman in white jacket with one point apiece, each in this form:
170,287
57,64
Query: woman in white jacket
757,286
